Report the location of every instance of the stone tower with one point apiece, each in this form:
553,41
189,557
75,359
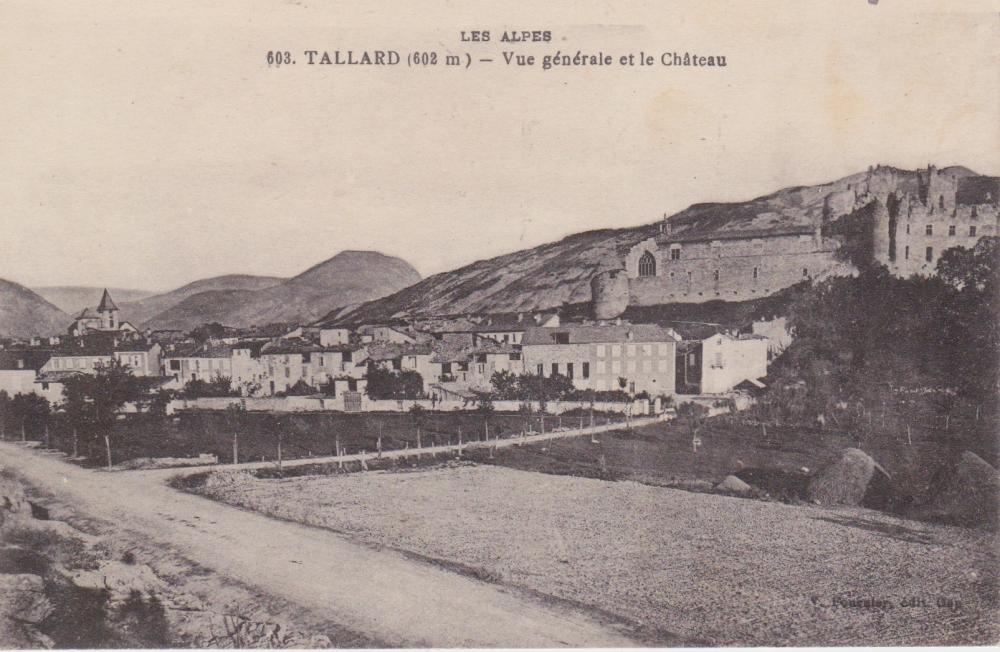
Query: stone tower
609,293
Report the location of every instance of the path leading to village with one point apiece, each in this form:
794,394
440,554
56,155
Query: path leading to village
382,593
403,453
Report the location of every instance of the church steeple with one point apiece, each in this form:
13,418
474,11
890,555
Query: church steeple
106,304
108,312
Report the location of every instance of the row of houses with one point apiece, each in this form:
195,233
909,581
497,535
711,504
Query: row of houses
454,357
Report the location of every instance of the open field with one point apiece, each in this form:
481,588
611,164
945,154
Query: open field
303,435
661,454
710,568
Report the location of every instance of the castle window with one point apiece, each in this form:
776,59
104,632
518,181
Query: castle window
569,369
647,265
555,368
756,273
907,229
929,255
930,229
716,275
906,252
951,229
541,370
585,371
941,201
972,230
675,253
562,338
805,272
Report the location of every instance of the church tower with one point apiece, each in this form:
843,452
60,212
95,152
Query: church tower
108,312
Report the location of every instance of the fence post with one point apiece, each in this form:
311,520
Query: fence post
460,441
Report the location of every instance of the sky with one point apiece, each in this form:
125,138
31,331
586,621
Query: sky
148,144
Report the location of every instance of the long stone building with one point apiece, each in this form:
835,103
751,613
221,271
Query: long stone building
735,252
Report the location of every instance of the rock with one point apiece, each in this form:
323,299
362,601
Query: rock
852,479
733,485
121,579
965,492
22,599
14,506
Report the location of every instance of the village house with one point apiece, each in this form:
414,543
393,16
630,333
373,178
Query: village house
404,357
86,353
18,369
202,362
597,356
717,363
50,384
376,333
285,362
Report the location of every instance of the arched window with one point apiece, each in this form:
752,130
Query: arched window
647,265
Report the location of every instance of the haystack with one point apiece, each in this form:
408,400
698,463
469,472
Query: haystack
854,478
966,492
733,485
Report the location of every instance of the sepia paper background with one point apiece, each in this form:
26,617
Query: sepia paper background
148,144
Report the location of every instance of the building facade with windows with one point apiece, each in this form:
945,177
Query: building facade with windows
597,356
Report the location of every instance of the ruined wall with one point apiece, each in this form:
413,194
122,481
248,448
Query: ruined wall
731,270
910,237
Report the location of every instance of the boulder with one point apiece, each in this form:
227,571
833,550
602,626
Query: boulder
121,579
854,478
22,599
733,485
965,492
15,509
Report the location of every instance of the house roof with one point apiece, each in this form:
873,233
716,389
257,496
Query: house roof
391,350
597,334
194,350
690,330
107,303
30,359
57,376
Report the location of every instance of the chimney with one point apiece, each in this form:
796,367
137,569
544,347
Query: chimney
665,226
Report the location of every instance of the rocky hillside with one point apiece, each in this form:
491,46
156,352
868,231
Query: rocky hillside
74,298
23,313
558,273
350,277
139,312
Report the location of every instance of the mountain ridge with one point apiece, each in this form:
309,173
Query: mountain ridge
24,313
349,277
558,273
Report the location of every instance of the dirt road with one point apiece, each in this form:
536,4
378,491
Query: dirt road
395,599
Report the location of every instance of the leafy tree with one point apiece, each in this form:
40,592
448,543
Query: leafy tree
300,388
29,409
236,422
206,332
384,384
4,413
219,387
98,397
693,415
505,384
